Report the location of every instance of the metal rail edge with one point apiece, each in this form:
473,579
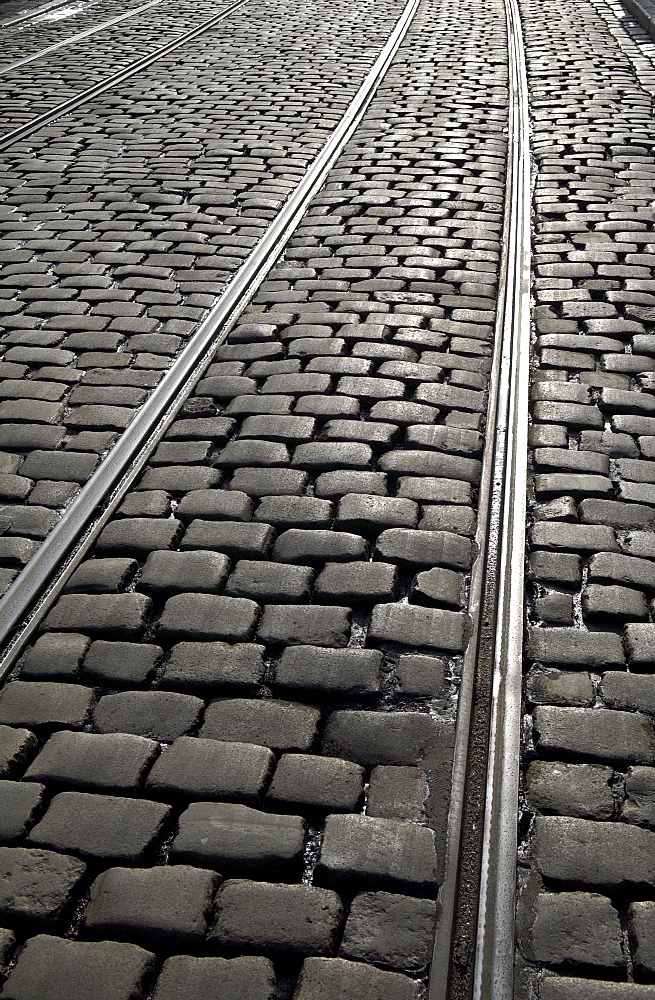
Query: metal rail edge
38,585
481,862
29,14
76,38
23,131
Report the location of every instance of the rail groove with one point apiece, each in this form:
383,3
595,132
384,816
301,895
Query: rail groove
23,131
34,590
475,938
78,37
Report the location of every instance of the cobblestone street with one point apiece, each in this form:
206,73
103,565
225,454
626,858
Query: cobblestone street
295,299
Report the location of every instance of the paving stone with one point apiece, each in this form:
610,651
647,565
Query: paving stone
282,725
419,627
377,853
7,947
104,827
179,479
424,548
136,535
162,906
602,735
372,738
57,969
390,929
219,505
117,614
149,503
563,988
262,916
613,856
618,603
97,576
208,667
605,567
270,482
175,572
552,567
325,784
419,675
114,763
641,929
293,624
45,704
17,747
238,840
353,673
397,793
205,616
619,515
296,512
555,609
639,641
356,583
118,663
576,929
545,686
20,805
575,648
582,790
573,537
338,979
263,581
55,656
334,485
70,466
162,715
211,770
635,692
236,539
365,514
37,887
639,804
245,978
297,545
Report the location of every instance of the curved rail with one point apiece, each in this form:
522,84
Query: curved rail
29,14
475,938
37,586
23,131
78,37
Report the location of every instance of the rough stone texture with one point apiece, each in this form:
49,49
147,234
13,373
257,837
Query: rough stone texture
282,725
390,929
291,919
114,763
603,735
563,988
37,887
397,793
162,906
19,806
377,853
55,969
338,979
162,715
17,747
614,856
580,929
207,769
419,627
316,783
582,790
101,826
45,705
371,738
352,673
185,978
641,928
237,840
207,667
639,804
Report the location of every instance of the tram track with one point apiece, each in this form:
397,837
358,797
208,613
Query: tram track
499,532
36,12
25,60
16,135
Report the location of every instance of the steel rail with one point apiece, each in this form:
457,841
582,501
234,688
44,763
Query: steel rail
28,15
11,138
474,947
38,585
78,37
